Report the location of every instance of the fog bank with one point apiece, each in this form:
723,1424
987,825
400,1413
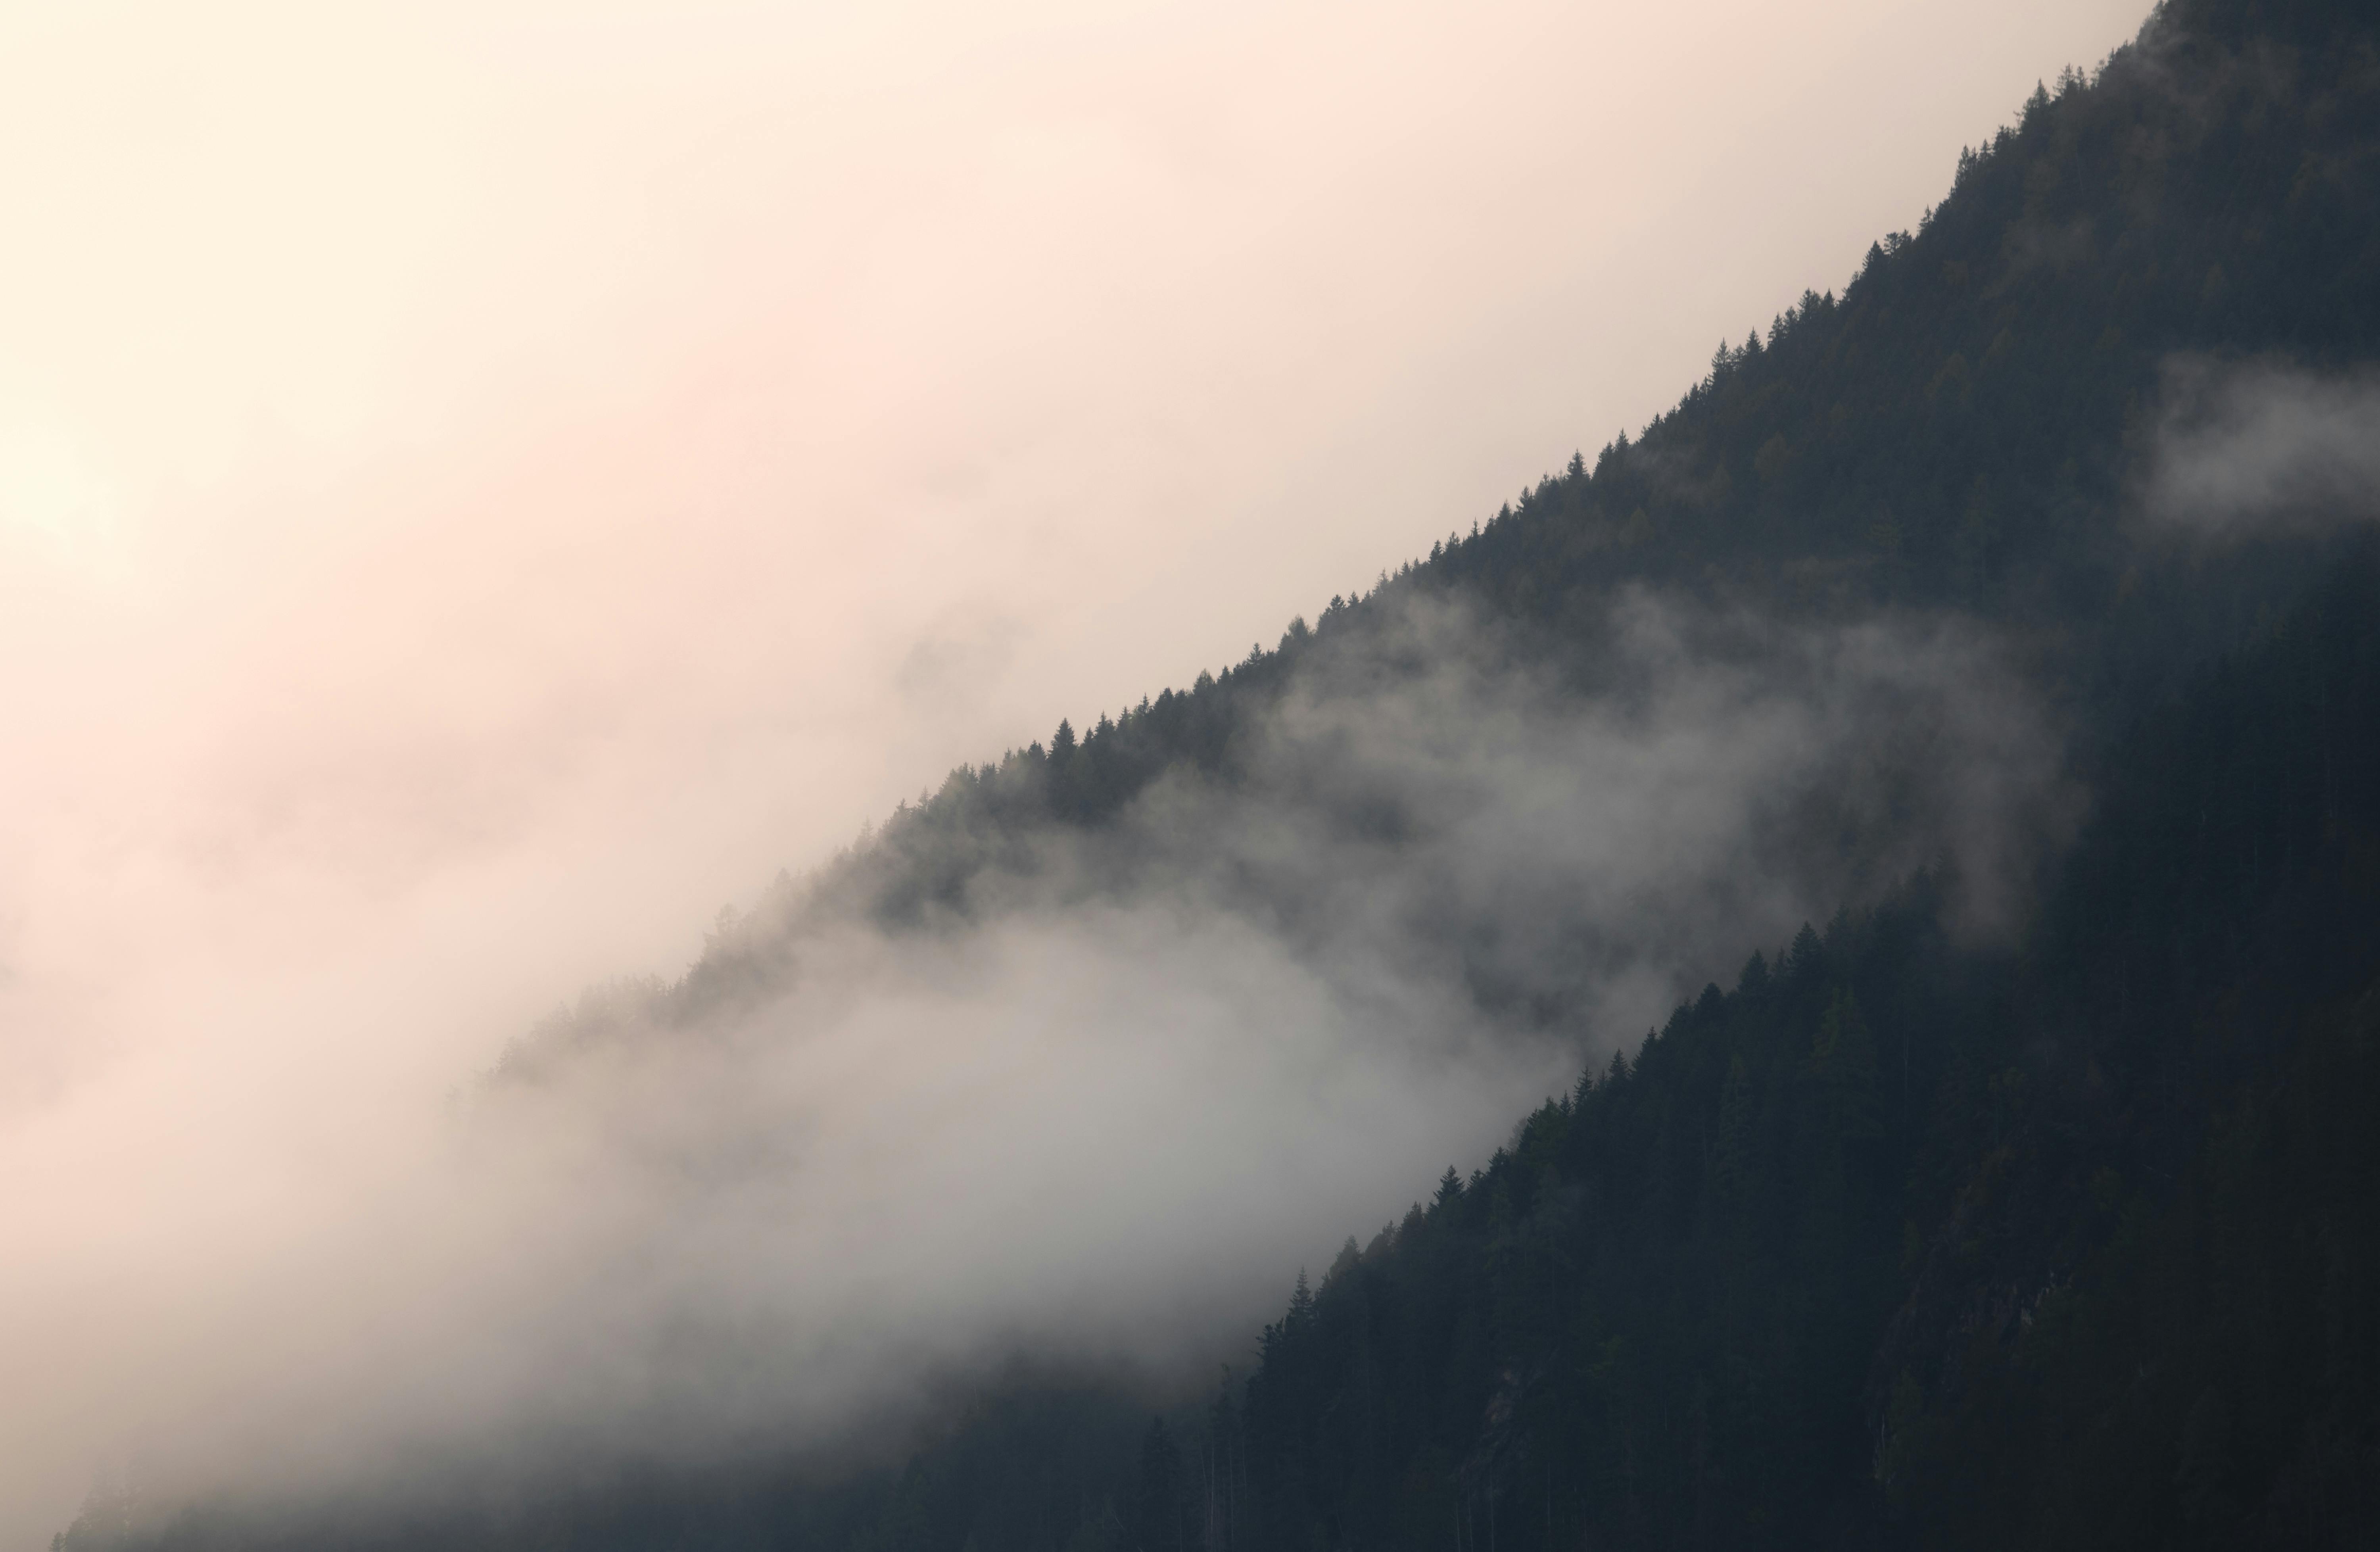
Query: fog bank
482,487
1095,1118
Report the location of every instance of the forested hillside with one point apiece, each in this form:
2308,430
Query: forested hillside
2056,1229
1970,427
2073,1246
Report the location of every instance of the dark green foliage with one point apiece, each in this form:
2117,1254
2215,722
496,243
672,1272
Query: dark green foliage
1899,1239
1648,1321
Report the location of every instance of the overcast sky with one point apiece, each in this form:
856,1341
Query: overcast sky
484,486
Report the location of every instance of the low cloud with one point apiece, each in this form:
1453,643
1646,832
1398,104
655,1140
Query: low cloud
1098,1116
2265,449
652,443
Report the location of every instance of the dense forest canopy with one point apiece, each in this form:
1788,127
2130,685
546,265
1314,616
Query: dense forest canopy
2026,1200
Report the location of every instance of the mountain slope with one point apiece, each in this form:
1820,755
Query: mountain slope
2059,1248
1972,427
1928,1232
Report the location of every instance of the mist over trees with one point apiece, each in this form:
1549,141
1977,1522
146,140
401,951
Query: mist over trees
2012,1184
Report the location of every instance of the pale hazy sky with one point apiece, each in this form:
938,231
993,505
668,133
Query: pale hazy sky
482,486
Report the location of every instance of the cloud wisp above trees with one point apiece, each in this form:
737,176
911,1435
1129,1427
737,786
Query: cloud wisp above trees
1094,1117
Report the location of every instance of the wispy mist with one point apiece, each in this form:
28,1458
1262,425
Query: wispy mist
1093,1118
481,486
2265,448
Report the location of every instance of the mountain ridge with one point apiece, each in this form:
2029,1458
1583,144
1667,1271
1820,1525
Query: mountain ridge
2029,510
2080,1271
